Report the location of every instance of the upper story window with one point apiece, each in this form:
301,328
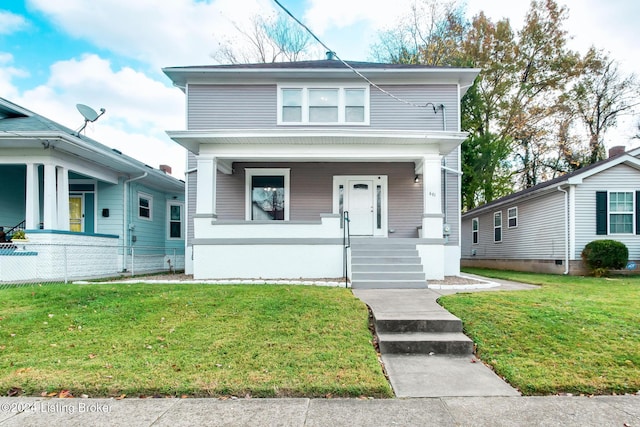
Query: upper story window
323,105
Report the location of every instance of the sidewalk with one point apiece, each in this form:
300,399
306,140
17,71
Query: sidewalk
601,411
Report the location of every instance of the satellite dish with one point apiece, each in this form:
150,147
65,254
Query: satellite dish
89,115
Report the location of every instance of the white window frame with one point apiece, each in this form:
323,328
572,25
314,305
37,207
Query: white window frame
632,212
475,234
169,221
497,215
149,197
341,87
514,217
251,172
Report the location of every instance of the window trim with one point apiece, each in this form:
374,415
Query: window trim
475,233
169,221
142,195
632,212
495,227
251,172
515,217
341,87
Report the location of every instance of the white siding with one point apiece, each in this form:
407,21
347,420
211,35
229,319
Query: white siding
617,178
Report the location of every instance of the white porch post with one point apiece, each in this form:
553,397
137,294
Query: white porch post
432,196
206,187
50,196
32,203
63,198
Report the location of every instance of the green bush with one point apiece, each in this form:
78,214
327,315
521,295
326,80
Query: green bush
600,256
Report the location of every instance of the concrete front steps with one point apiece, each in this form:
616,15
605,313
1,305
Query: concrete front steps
385,264
435,334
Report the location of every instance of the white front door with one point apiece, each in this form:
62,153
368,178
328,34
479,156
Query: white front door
361,207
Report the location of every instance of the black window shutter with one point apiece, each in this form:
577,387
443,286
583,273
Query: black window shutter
637,212
601,212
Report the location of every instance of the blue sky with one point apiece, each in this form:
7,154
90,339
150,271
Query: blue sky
109,54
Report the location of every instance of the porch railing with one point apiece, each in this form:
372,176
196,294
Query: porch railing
20,226
346,244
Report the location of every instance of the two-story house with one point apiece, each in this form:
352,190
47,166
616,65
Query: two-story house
279,153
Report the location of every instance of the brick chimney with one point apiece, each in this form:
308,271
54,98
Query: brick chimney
166,169
616,151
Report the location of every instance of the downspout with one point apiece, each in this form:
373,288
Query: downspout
125,217
566,229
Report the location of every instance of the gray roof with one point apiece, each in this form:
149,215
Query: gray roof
547,184
319,64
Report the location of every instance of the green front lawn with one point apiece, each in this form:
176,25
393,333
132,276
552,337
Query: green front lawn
196,340
574,334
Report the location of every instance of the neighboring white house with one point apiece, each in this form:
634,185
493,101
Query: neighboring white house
278,152
88,210
545,228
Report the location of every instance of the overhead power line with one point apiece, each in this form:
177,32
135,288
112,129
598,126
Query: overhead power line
404,101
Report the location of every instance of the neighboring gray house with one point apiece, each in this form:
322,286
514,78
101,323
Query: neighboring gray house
279,152
545,228
87,209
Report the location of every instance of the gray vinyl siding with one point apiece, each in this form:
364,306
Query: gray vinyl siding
255,107
617,178
451,196
540,233
191,184
389,113
312,193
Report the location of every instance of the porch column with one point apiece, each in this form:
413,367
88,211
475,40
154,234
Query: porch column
32,202
50,196
206,188
432,196
63,198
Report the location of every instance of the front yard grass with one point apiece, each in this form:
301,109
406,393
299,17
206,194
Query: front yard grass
194,340
573,335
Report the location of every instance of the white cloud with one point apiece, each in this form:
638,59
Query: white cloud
167,33
11,23
138,108
7,73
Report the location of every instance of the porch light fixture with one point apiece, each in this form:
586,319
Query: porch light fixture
416,179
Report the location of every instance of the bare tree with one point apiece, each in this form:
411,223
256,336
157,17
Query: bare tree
272,39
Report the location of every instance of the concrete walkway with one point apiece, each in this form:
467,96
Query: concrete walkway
602,411
432,375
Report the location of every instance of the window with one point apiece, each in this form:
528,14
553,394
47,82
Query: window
323,105
620,213
145,206
267,194
512,217
615,212
497,227
475,229
174,214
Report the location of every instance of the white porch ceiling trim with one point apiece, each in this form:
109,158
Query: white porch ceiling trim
194,141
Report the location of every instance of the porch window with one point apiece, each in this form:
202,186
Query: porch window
267,194
497,227
174,214
475,229
145,206
320,105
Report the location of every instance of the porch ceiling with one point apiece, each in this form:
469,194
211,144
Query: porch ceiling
322,142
